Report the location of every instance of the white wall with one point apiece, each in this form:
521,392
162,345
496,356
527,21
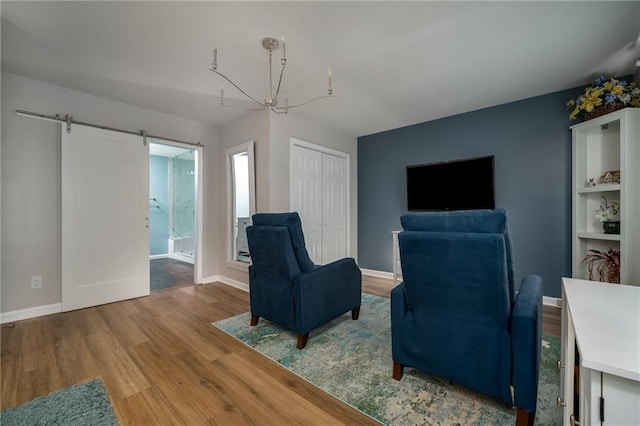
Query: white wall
31,206
285,127
252,127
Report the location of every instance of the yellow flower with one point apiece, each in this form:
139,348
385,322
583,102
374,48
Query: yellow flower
613,87
590,100
575,112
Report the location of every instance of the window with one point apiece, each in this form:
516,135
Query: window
240,200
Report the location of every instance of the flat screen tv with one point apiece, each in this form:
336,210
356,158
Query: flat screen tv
451,185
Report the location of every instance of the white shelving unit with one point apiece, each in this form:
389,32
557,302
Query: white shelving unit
607,143
397,266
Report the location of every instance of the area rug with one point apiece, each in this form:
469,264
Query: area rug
351,360
78,405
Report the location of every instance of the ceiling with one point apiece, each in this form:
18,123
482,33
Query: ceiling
394,63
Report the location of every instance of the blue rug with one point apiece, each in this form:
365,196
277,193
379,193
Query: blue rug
85,404
351,360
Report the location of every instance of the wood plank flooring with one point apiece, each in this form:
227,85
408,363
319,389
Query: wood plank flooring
164,364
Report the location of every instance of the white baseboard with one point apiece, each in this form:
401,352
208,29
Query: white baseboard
377,274
36,311
551,301
228,281
158,256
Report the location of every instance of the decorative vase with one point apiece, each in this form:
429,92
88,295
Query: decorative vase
611,227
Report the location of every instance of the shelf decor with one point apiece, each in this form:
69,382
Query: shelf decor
604,264
607,214
605,95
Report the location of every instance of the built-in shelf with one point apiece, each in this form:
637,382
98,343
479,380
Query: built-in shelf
606,144
599,188
599,236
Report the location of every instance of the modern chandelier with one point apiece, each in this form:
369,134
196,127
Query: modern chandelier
270,44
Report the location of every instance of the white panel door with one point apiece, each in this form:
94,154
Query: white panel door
319,194
105,206
306,197
334,208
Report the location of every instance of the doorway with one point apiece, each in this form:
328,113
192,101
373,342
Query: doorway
174,205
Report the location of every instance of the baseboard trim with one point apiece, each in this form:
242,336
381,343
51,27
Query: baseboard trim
36,311
551,301
377,274
228,281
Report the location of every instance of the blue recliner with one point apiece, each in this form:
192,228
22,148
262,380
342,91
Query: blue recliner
457,315
287,288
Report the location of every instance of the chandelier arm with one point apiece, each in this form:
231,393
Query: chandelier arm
236,86
242,108
305,103
274,109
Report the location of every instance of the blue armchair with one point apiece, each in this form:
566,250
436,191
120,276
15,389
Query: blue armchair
287,288
457,315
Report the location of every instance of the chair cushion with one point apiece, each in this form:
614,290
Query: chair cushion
478,221
292,222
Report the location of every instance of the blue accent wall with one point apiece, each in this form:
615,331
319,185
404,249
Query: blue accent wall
158,210
531,142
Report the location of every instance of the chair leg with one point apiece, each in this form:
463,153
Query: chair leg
302,340
525,417
355,313
254,320
398,370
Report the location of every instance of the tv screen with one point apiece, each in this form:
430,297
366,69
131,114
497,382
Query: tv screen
451,185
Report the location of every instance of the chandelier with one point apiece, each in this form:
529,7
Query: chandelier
270,44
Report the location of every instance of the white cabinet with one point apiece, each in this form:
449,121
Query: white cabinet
602,321
397,266
609,143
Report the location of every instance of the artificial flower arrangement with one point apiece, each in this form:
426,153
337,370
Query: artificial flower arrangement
608,210
608,94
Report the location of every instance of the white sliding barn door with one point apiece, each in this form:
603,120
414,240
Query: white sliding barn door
105,210
319,195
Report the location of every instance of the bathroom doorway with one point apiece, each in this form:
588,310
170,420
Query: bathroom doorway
174,197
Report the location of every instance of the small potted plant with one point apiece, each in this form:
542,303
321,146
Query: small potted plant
604,264
607,214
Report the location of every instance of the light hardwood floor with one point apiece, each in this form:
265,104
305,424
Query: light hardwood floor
163,363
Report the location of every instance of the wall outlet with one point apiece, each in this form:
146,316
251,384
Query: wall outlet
36,282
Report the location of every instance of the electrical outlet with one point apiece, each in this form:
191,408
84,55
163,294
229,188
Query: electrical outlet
36,282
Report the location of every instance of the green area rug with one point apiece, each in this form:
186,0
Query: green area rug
352,361
85,404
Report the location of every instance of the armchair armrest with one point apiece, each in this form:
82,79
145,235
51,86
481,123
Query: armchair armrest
325,293
526,338
398,312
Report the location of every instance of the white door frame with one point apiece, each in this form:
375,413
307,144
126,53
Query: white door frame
347,157
199,170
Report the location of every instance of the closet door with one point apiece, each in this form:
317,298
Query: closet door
306,197
334,208
319,195
105,206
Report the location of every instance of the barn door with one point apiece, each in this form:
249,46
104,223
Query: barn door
105,210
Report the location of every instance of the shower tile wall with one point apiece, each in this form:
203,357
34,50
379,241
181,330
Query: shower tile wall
158,205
